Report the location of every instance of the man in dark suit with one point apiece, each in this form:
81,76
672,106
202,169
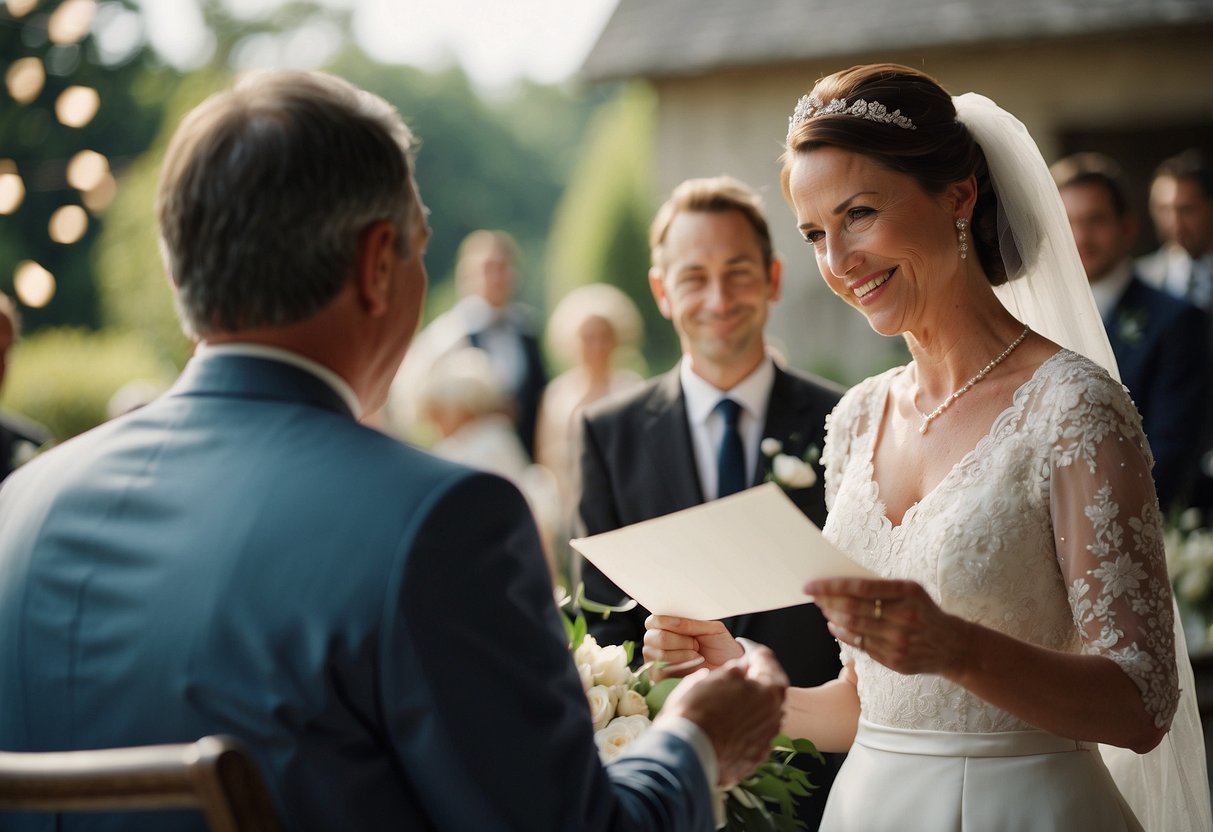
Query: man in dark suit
241,556
1161,342
20,438
486,317
656,450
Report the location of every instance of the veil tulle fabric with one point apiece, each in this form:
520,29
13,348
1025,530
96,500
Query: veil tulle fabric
1167,788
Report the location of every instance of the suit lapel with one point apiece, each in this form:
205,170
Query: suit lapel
789,419
669,437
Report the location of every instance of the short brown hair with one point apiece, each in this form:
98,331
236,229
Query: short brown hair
713,195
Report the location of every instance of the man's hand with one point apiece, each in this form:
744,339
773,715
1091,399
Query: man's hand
739,706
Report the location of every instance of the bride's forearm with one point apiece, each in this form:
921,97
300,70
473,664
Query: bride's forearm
827,714
1083,697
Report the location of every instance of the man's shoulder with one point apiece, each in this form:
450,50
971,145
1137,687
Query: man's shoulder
803,383
1164,307
653,394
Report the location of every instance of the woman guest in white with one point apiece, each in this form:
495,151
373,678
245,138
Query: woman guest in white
999,483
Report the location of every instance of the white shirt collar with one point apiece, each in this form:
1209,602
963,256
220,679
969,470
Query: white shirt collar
752,392
340,386
1107,290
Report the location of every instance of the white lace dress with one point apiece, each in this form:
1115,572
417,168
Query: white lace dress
1047,531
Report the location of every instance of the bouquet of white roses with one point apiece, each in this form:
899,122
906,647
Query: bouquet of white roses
623,703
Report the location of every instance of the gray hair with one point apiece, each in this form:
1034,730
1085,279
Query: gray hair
265,192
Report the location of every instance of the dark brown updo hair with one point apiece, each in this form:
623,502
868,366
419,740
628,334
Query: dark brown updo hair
936,153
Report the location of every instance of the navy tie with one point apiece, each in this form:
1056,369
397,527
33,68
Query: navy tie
730,456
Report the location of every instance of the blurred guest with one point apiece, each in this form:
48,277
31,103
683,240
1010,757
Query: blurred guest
486,317
20,438
1181,205
464,401
133,395
594,327
1158,339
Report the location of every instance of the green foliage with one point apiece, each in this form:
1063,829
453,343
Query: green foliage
765,799
64,378
600,232
134,291
480,165
31,136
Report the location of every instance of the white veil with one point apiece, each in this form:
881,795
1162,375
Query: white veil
1168,788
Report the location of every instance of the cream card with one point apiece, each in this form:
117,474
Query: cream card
748,552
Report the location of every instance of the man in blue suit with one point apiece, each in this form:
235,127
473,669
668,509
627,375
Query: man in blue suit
242,556
1161,342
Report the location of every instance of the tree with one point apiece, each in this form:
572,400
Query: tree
600,233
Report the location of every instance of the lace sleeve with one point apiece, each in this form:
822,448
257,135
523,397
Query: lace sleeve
1108,532
842,426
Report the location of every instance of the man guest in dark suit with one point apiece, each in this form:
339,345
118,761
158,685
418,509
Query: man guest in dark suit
489,318
1161,342
659,449
241,556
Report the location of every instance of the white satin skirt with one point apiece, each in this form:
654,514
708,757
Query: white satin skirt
934,781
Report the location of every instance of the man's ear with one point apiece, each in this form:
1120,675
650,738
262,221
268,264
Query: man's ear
657,287
775,279
374,265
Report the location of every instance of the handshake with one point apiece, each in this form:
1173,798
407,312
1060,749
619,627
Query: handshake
738,705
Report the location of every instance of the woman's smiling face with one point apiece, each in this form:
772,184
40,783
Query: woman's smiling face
883,244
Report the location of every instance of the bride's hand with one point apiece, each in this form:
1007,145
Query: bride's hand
894,622
686,644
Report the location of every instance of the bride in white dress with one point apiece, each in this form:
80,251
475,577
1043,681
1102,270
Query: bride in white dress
999,483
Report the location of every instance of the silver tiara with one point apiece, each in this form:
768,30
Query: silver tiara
810,105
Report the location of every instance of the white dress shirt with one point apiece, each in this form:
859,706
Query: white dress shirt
752,393
1107,290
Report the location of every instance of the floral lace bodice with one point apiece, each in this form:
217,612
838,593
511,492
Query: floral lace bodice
1048,531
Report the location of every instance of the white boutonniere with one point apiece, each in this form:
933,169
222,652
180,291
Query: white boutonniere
1131,326
789,471
23,452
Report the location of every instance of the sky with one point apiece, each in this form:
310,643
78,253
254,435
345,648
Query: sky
496,41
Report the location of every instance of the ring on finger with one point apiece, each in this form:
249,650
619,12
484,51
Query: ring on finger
877,609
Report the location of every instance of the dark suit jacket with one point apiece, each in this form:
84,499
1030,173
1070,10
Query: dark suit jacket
530,391
638,463
1161,344
377,625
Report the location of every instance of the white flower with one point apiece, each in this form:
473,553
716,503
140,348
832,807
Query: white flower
771,446
602,706
587,651
23,452
614,739
587,676
610,666
632,703
791,472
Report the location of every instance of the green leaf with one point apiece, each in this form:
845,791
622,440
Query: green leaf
658,694
605,610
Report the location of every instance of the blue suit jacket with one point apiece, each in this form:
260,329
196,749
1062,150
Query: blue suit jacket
242,557
1162,347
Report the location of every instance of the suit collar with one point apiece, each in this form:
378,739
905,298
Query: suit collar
256,377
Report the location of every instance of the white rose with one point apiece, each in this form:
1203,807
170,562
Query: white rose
632,704
771,446
792,472
614,739
611,666
602,708
587,676
586,652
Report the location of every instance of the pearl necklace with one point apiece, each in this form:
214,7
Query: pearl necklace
927,418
